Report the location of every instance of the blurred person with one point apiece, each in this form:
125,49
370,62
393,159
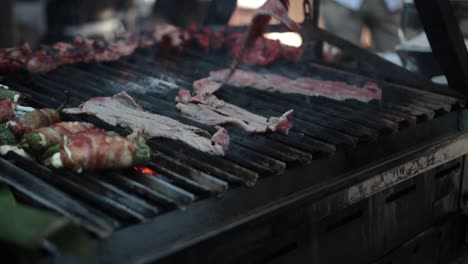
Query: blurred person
86,17
7,24
348,18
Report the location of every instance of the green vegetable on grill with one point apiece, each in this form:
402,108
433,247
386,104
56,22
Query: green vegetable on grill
28,122
10,95
6,136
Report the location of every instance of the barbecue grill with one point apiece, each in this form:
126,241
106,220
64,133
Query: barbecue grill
355,182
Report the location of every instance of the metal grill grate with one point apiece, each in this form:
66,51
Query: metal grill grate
104,202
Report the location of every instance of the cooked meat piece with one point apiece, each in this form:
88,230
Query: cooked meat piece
222,137
37,141
7,111
33,120
170,39
14,129
291,54
9,95
211,111
96,149
44,60
307,86
122,110
14,59
83,49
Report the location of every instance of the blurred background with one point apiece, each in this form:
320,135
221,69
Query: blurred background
47,21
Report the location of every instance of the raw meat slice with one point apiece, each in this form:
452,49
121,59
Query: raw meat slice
307,86
211,111
122,110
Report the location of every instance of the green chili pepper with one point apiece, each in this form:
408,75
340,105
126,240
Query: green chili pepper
49,152
6,136
9,95
32,143
143,155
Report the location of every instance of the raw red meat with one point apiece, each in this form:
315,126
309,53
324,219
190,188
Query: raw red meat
212,111
122,110
307,86
263,52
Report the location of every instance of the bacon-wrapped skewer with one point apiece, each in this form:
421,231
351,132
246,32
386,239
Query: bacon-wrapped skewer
13,59
10,110
39,140
7,94
96,149
17,127
7,111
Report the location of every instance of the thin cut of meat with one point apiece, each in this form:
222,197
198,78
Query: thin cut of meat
47,58
307,86
211,111
222,137
122,110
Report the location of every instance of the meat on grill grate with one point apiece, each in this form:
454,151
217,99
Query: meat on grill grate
109,200
122,110
339,91
211,111
96,149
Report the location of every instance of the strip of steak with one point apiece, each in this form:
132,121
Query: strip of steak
307,86
122,110
212,111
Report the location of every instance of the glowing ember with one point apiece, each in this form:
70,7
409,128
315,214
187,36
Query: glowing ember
146,170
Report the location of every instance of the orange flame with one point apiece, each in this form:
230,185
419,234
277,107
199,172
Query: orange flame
146,170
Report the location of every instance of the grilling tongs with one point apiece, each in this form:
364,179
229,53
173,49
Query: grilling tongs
256,28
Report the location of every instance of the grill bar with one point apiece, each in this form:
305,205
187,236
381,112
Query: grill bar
115,199
143,191
246,175
54,199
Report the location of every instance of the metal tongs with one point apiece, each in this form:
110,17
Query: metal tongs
255,28
250,35
239,57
